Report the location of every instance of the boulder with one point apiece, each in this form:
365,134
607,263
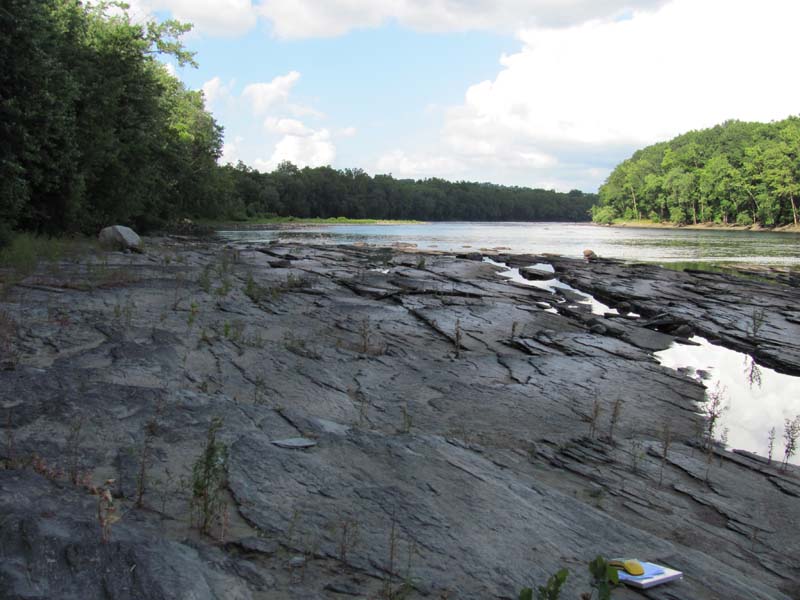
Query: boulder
534,274
589,255
119,237
624,308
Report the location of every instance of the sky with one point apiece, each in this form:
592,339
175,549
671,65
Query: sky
539,93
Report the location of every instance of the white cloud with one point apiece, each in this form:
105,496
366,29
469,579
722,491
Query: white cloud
312,149
230,151
347,131
416,166
287,127
574,101
217,92
639,80
263,96
170,68
327,18
227,18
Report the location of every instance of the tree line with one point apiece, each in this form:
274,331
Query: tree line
327,192
94,128
96,131
735,173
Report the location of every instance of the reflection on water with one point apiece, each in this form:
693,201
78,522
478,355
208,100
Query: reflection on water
753,399
756,398
567,239
551,285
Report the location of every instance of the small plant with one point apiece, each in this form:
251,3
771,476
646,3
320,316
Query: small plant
389,593
41,467
208,479
753,373
8,336
616,410
604,579
106,511
150,430
406,428
637,454
75,438
124,312
252,290
224,288
420,262
236,332
550,590
204,279
514,326
714,411
360,398
791,432
594,417
757,319
770,445
194,310
348,538
666,440
457,338
294,281
364,333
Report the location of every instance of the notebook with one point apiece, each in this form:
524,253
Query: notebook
653,575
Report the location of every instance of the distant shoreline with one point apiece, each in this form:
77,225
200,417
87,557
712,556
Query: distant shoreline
644,224
299,223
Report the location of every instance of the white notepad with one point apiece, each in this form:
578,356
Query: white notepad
653,575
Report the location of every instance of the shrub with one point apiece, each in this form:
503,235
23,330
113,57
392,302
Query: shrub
603,215
208,480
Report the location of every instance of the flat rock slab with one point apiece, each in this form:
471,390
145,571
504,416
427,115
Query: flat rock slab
294,443
434,412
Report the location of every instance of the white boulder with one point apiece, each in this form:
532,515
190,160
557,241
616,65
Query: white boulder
120,237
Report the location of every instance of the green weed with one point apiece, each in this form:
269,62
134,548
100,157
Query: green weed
208,480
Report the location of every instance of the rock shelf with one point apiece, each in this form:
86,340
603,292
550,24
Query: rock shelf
393,420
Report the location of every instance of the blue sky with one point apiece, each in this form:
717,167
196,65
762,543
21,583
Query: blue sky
521,92
390,84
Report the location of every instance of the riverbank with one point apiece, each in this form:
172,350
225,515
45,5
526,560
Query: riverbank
296,222
646,224
392,420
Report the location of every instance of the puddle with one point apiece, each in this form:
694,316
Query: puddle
755,398
552,285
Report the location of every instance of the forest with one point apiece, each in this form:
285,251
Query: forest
97,131
326,192
736,173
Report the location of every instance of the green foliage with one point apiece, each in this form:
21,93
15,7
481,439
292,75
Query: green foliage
604,577
604,215
94,129
327,195
208,480
549,591
736,172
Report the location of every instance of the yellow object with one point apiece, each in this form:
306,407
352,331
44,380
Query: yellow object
629,565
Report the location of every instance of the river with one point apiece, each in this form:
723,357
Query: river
567,239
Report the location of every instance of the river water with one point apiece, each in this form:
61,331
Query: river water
755,399
567,239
